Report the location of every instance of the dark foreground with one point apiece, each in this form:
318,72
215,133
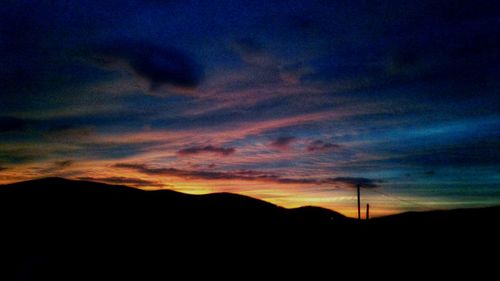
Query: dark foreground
57,229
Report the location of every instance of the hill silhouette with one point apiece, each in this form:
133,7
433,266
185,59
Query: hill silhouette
112,231
60,197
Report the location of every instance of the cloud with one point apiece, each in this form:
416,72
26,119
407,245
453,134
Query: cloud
250,51
283,142
3,168
206,149
293,74
187,174
64,163
11,124
353,181
430,173
55,166
247,175
346,181
125,180
321,146
65,133
160,66
267,68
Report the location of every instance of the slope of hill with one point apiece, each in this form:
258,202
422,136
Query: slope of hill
61,203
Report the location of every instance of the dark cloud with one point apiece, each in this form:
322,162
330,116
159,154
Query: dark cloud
70,132
49,129
3,168
249,175
64,163
159,65
319,145
353,181
283,142
11,124
115,150
206,149
187,174
430,173
125,180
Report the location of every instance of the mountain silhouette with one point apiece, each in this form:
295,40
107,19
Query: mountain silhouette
60,197
61,229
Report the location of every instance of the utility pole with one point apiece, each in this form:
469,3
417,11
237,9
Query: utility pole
367,211
359,205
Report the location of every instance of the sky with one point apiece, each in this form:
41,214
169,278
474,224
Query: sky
293,102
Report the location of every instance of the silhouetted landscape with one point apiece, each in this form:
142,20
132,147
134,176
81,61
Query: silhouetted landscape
260,140
57,228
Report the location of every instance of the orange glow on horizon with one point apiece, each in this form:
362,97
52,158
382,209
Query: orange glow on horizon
340,198
284,195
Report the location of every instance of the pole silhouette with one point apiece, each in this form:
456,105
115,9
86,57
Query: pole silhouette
367,211
359,204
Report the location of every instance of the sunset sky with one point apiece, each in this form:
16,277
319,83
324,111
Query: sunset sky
293,102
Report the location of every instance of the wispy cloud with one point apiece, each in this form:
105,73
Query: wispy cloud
64,163
247,175
321,146
283,142
206,149
125,180
51,168
252,52
222,133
